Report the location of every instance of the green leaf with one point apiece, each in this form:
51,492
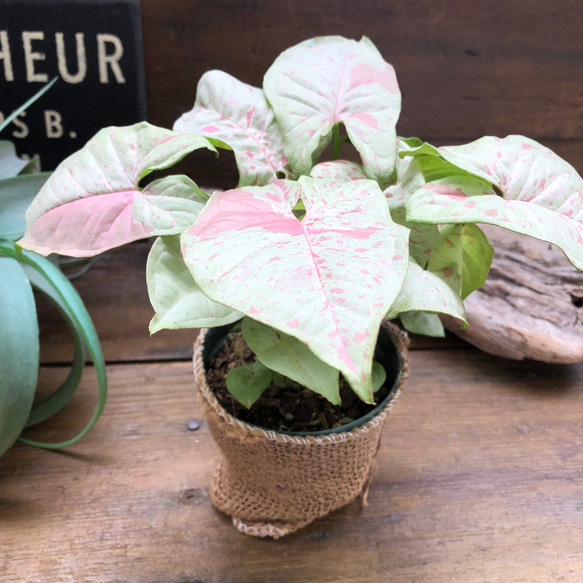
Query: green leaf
51,405
248,382
290,357
477,258
174,295
326,80
422,323
82,322
28,103
19,350
462,258
10,164
379,376
16,194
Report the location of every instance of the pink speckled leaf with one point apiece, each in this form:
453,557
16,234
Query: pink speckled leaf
327,280
323,81
426,292
339,170
542,195
238,115
93,201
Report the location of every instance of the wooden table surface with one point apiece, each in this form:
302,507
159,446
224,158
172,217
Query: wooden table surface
480,472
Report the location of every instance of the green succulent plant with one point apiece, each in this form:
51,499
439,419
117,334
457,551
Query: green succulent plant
20,272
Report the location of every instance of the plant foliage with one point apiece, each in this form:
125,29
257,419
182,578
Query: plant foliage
312,254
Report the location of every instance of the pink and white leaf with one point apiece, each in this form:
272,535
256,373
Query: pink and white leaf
323,81
93,201
339,170
461,201
238,115
327,280
174,295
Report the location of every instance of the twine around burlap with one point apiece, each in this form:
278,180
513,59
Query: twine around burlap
272,484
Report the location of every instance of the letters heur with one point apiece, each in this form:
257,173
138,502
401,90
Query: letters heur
109,53
36,45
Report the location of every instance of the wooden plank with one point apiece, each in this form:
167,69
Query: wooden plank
465,69
478,481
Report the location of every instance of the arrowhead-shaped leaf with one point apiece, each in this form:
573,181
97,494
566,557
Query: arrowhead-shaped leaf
327,280
174,295
93,201
321,82
238,115
247,382
542,195
290,357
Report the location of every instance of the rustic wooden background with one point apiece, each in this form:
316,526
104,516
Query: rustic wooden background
480,468
465,68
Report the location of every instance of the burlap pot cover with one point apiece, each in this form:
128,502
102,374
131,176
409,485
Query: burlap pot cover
272,484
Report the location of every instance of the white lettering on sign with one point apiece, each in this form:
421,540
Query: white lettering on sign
110,50
54,127
53,124
112,59
62,59
31,56
5,56
22,131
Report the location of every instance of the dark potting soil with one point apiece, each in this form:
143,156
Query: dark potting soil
292,408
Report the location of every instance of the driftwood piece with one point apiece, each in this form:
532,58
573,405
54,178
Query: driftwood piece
531,304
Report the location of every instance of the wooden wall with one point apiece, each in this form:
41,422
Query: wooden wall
465,68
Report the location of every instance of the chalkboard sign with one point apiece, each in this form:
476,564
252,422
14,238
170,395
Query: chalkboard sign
94,47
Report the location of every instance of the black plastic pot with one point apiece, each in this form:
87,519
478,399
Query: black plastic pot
386,354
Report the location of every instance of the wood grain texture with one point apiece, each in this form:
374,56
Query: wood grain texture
478,480
465,69
531,305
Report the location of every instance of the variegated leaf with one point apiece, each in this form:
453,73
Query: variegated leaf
93,200
327,280
174,295
338,170
238,114
426,292
323,81
542,195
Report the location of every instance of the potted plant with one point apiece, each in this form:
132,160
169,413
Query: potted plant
20,272
308,257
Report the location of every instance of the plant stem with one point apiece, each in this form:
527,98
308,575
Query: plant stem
337,142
